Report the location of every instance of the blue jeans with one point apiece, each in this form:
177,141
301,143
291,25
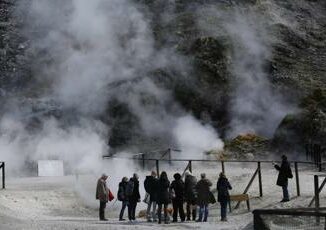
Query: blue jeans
150,214
124,205
285,192
203,212
224,205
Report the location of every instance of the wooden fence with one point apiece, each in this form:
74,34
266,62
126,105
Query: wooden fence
256,174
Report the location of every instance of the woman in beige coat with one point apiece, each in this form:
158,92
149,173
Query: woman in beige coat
102,194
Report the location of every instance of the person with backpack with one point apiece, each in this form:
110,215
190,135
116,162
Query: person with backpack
102,194
223,186
133,196
163,197
203,191
177,201
285,172
190,195
151,187
122,196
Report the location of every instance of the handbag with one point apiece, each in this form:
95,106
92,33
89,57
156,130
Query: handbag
147,198
211,198
111,196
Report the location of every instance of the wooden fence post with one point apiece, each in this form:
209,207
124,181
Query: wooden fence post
223,168
190,166
158,168
143,159
297,178
169,155
319,162
316,183
260,180
3,175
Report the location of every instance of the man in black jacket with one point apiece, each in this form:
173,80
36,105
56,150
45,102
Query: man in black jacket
177,201
133,196
122,196
151,187
190,195
203,197
282,179
223,186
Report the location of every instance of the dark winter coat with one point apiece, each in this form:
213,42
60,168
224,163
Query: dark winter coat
179,189
203,191
151,187
122,195
163,196
284,173
222,187
190,188
135,195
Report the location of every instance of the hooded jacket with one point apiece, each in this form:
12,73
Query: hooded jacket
151,187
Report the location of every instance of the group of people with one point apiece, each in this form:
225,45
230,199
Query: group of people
160,193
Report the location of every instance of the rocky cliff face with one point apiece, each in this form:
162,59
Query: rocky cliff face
238,66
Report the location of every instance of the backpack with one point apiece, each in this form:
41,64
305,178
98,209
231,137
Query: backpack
130,188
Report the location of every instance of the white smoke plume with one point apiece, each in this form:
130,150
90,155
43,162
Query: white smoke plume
255,107
80,47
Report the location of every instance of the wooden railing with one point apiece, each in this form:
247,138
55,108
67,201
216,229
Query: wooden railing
223,163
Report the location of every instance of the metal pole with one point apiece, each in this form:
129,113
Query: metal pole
190,166
158,168
297,177
3,176
260,180
223,168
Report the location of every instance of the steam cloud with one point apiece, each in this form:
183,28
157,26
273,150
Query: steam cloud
255,106
79,48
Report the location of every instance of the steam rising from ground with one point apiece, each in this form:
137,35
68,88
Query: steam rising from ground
255,106
80,47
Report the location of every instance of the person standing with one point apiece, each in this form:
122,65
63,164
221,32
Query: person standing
102,194
190,195
223,185
203,191
163,197
122,196
285,172
133,196
151,187
179,187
